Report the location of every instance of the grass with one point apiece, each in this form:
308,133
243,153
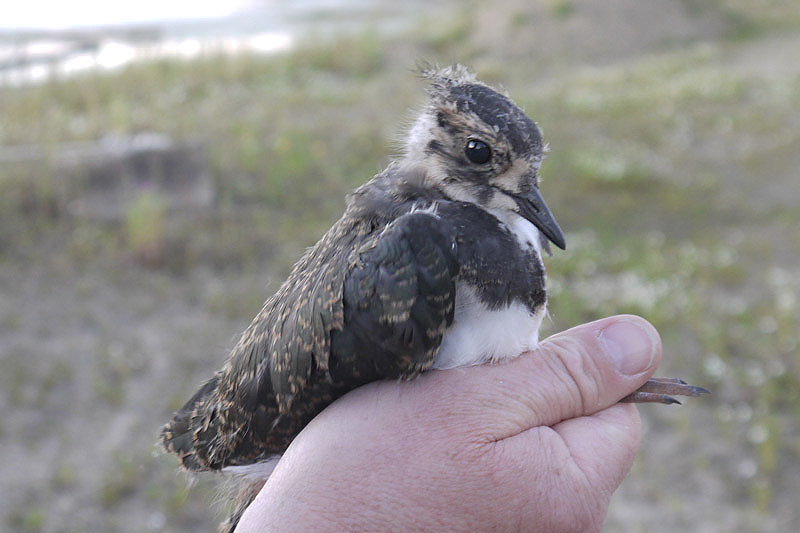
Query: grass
145,226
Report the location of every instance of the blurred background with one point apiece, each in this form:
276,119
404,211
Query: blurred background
163,164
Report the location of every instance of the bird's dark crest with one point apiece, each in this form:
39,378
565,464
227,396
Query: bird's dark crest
457,86
447,77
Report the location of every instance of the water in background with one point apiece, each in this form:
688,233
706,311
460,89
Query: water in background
89,35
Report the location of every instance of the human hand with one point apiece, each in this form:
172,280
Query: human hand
535,444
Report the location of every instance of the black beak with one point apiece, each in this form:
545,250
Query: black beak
533,208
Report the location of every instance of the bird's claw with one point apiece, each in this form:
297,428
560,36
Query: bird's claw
660,390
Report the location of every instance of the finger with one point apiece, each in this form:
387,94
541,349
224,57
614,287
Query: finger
603,445
575,373
576,465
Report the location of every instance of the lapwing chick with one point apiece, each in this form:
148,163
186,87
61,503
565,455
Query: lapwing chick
435,263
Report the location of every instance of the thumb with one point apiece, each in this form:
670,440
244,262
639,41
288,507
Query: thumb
595,365
575,373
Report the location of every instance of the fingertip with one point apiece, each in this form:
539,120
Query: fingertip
604,445
623,418
631,344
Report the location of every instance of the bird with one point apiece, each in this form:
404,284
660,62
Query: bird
436,263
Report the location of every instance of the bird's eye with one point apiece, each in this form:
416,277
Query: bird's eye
478,151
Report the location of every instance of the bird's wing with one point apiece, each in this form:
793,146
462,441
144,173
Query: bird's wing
355,309
399,298
237,417
177,435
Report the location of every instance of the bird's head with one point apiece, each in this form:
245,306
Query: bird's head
477,146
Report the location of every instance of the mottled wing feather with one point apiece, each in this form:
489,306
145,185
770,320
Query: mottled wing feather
399,298
301,344
368,301
242,419
177,434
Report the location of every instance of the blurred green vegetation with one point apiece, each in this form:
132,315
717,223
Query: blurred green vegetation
145,225
673,173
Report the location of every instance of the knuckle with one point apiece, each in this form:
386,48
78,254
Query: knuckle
575,367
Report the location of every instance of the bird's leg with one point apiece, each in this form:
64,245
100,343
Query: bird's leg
658,390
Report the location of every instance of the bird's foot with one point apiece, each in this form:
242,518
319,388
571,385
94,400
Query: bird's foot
659,390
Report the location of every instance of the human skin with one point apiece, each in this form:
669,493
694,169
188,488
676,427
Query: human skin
538,443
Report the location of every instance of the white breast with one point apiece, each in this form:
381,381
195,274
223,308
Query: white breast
479,335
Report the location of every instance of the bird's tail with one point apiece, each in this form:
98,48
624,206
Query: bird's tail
178,435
